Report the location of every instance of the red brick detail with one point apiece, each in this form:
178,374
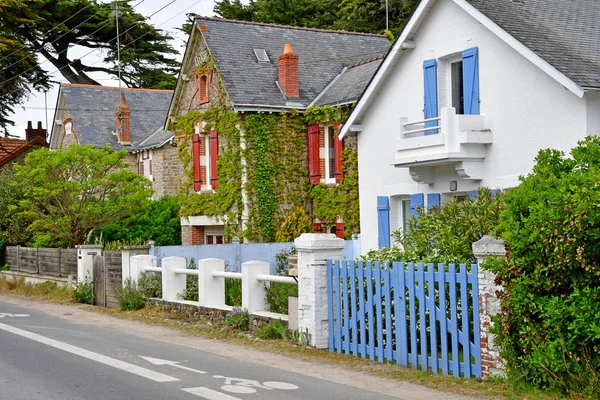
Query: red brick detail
322,150
196,235
288,75
141,168
201,82
123,121
339,230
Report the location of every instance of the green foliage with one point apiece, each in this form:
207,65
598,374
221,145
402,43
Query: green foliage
301,338
191,284
277,294
238,319
130,297
273,330
150,285
117,244
12,227
156,220
83,292
548,327
350,15
295,224
5,267
68,193
445,234
233,292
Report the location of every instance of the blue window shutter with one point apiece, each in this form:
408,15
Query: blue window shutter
494,193
431,94
383,221
473,194
416,200
433,200
471,80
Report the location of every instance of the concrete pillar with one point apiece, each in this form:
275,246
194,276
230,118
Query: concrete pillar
85,266
211,291
489,303
137,265
356,246
173,284
313,314
126,253
253,291
237,260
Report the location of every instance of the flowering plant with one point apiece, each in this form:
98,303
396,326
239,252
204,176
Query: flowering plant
238,319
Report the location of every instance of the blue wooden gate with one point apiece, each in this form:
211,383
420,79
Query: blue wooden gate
415,315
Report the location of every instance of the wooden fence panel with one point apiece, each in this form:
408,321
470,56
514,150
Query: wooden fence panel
99,273
68,262
49,262
113,277
12,257
28,260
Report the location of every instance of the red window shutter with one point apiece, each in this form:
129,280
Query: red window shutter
141,168
214,154
317,227
338,146
339,230
314,168
196,161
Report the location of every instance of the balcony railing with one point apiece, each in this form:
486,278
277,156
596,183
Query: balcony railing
446,139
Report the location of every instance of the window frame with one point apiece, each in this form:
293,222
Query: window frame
329,146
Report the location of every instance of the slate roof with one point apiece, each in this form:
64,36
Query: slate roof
92,109
349,86
565,33
157,139
322,56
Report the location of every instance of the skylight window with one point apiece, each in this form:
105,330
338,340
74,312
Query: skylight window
261,56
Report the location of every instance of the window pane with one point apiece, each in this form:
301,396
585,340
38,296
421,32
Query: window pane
457,87
331,152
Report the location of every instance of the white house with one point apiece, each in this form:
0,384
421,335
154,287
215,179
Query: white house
468,95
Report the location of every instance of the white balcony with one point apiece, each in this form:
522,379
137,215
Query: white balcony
451,139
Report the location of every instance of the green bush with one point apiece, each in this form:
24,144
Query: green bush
130,298
445,234
83,292
191,284
150,284
294,225
233,292
277,294
549,327
238,319
273,330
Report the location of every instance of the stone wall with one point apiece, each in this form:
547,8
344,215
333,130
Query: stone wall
167,171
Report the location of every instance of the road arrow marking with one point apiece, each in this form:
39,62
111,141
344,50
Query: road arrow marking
90,355
2,315
158,361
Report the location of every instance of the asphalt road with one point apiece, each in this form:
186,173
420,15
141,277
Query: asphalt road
44,357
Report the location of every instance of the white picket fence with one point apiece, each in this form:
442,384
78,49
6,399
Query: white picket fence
211,281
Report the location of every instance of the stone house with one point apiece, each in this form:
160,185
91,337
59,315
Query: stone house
15,150
468,95
123,119
256,112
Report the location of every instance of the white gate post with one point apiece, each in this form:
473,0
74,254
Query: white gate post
489,304
253,291
126,253
313,314
172,283
85,256
137,265
211,291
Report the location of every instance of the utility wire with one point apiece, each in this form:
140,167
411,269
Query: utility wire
61,36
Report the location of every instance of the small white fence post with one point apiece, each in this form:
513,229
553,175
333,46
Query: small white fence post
137,265
313,314
253,291
211,290
85,256
126,253
173,283
489,303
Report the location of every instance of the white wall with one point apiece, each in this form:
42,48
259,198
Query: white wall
593,113
525,109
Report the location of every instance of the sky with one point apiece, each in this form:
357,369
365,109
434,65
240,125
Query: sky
172,17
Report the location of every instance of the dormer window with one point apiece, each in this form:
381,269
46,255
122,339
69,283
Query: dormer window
202,88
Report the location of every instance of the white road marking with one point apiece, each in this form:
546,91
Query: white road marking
158,361
90,355
2,315
209,394
280,385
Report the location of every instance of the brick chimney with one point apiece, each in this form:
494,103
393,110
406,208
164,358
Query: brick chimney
31,133
288,72
123,114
